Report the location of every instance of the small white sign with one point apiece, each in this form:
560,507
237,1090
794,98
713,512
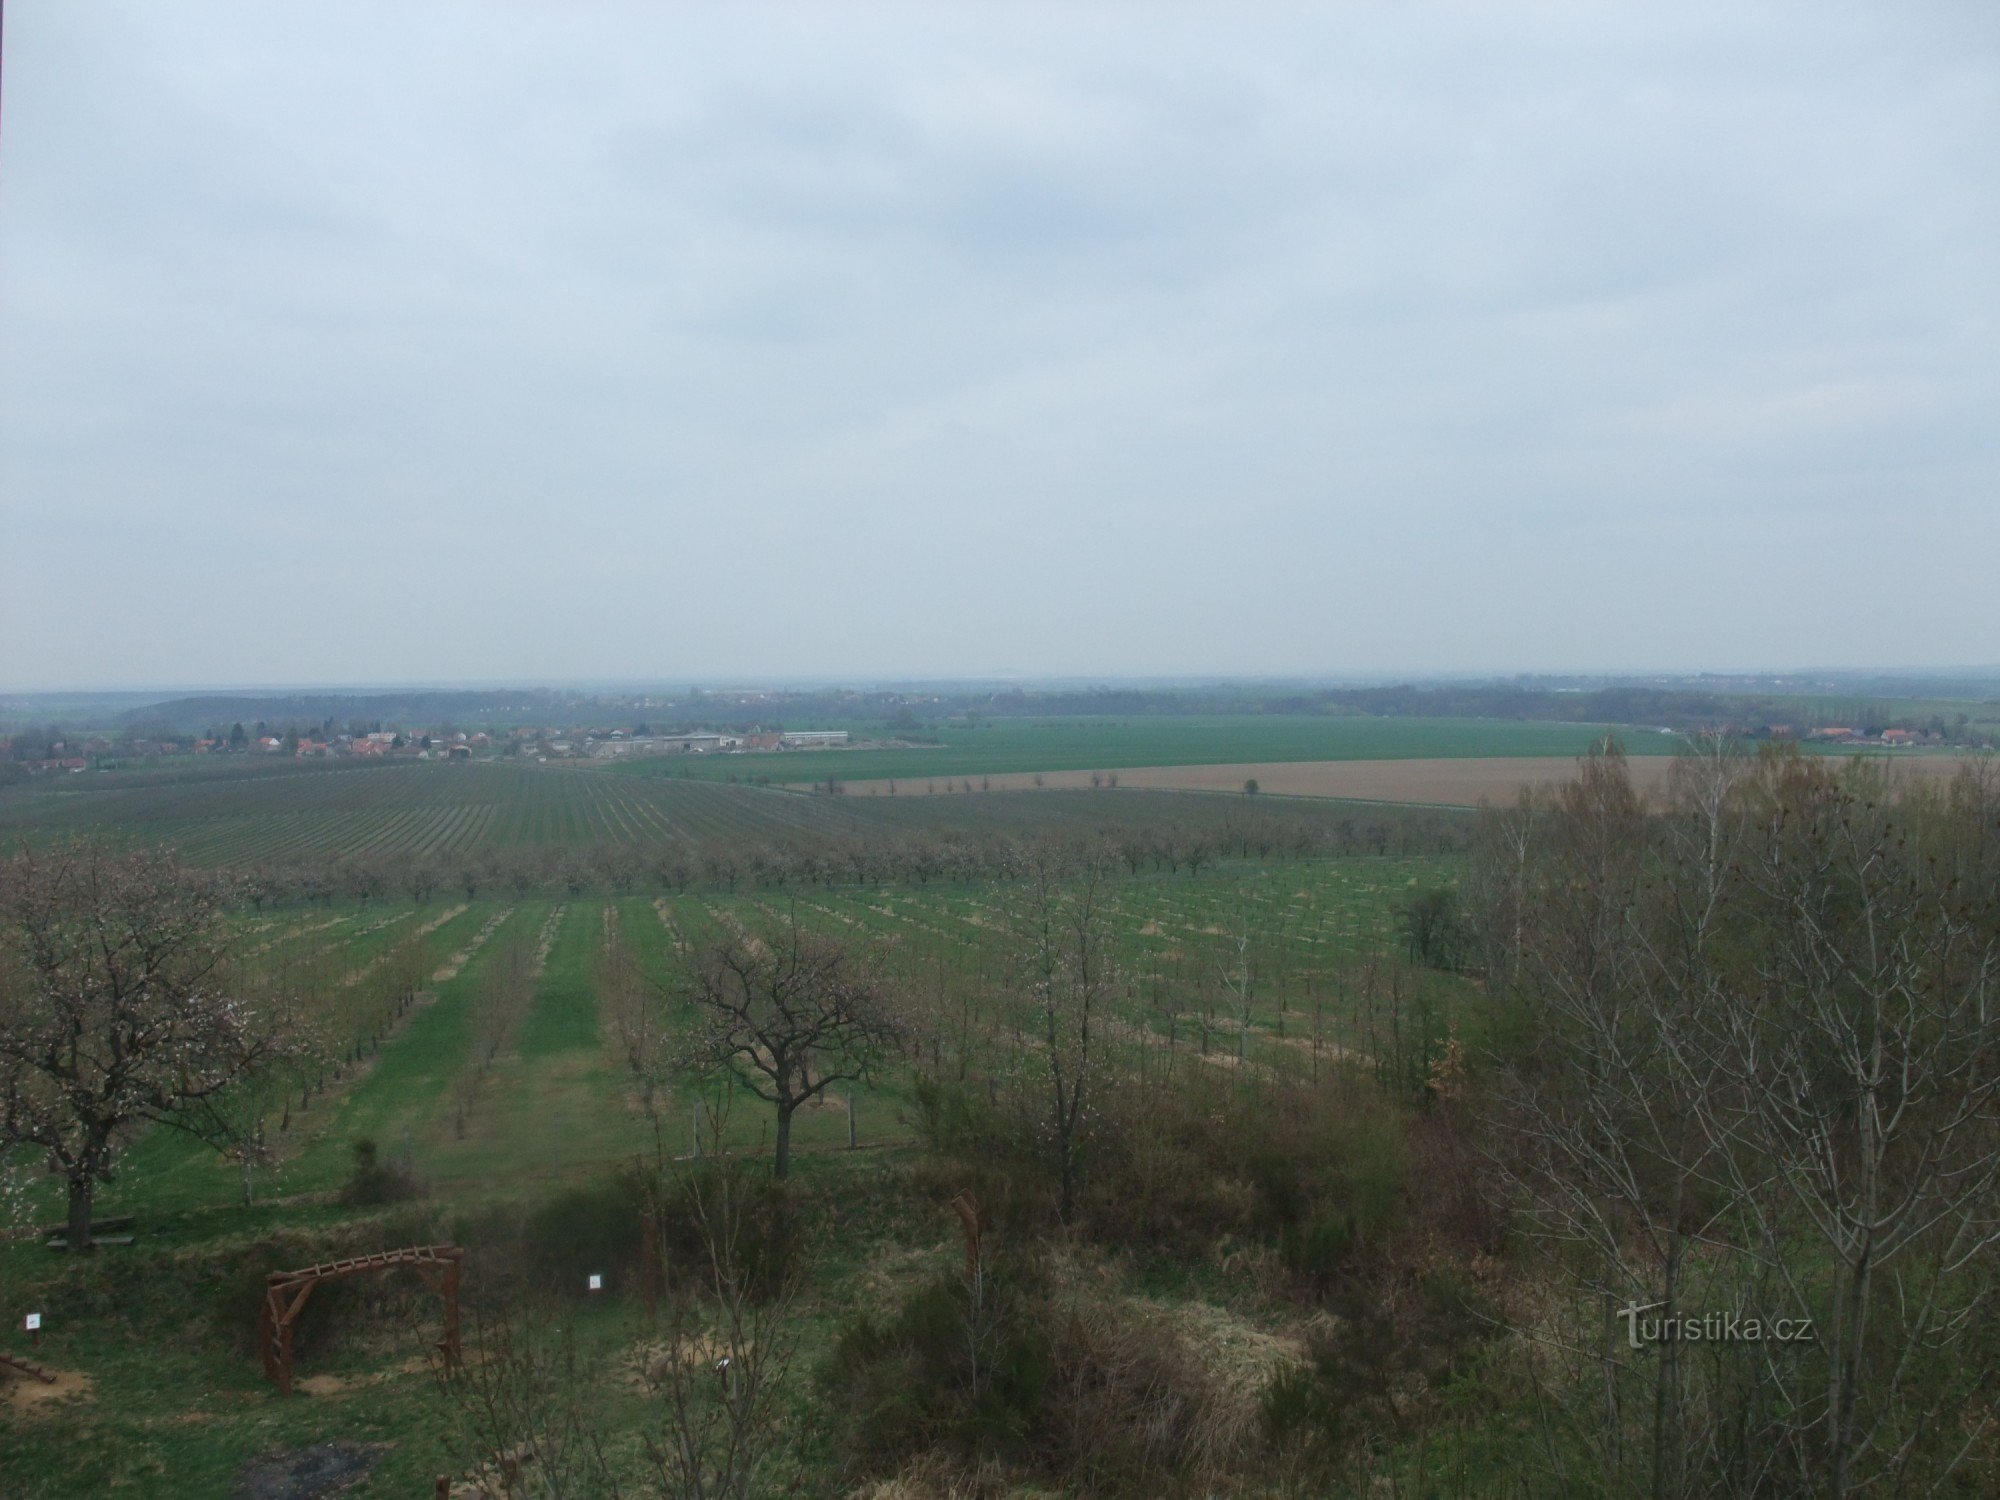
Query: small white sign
34,1322
596,1282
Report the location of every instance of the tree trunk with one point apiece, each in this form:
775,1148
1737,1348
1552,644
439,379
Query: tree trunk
784,1159
80,1189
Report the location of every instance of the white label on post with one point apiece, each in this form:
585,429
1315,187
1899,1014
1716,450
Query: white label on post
596,1283
34,1321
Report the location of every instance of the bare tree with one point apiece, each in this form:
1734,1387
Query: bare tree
788,1015
1760,1069
651,1043
1059,920
529,1407
728,1335
1863,1119
113,1007
1236,971
1598,1119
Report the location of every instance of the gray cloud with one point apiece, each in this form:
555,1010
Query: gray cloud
388,342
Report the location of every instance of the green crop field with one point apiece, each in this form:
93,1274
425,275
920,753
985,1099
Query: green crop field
239,813
404,809
442,812
1307,931
995,746
487,1119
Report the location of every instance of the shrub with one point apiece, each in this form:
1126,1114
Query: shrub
1435,929
581,1231
1041,1374
374,1181
945,1370
1370,1366
768,1242
237,1310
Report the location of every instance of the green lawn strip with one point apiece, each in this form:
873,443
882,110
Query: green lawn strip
558,1101
564,1015
396,1102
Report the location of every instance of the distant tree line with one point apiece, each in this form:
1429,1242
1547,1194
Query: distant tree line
1863,702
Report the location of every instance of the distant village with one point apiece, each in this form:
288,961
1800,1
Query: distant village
55,753
1840,734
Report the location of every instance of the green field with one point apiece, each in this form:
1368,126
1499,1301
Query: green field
405,809
241,812
558,1100
998,745
403,812
558,1107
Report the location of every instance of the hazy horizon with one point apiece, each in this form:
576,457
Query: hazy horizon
1829,678
639,344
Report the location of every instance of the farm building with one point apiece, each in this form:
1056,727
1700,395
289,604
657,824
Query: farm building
804,739
695,742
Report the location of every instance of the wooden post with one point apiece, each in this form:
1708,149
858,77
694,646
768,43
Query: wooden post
649,1261
850,1118
453,1353
285,1357
967,1208
286,1294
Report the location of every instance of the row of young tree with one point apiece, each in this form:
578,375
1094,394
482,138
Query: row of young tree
854,859
125,1003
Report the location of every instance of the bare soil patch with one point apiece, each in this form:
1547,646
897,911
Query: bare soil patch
24,1393
337,1385
306,1473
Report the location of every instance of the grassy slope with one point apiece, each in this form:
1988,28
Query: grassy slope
557,1116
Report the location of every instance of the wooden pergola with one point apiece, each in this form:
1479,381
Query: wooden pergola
285,1294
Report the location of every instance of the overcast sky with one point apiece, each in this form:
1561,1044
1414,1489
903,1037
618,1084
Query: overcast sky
392,342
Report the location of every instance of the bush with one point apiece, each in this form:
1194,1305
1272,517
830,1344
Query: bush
768,1242
374,1181
1435,928
1044,1374
944,1370
1386,1349
583,1231
1176,1165
237,1311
